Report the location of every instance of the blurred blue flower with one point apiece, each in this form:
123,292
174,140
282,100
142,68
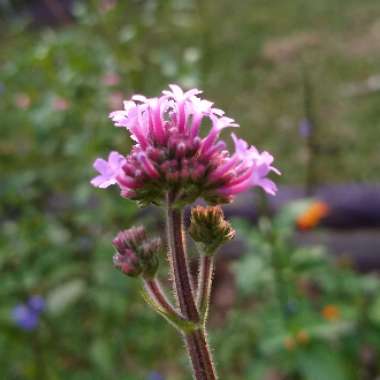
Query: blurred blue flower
36,303
26,316
2,88
154,375
305,128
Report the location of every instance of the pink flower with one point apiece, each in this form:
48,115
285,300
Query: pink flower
108,170
61,104
171,155
259,164
107,5
22,101
115,100
111,79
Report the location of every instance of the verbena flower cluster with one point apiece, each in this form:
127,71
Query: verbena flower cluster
178,150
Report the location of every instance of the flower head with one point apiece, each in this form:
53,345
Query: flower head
171,154
136,254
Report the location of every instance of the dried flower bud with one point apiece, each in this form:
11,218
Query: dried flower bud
136,254
209,228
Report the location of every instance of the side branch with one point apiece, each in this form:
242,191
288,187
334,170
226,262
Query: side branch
158,295
206,269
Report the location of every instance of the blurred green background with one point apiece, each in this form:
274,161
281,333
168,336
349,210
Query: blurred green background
64,65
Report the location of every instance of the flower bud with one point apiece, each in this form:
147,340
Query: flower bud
126,258
149,256
136,254
209,228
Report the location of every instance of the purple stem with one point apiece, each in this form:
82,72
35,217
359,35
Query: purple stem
196,343
158,295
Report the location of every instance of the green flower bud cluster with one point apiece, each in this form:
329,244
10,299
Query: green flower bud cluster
209,228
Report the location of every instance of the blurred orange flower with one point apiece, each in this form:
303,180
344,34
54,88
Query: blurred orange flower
331,312
289,343
303,337
312,216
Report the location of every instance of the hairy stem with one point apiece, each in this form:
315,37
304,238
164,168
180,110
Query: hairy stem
206,268
200,355
180,267
156,292
196,343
